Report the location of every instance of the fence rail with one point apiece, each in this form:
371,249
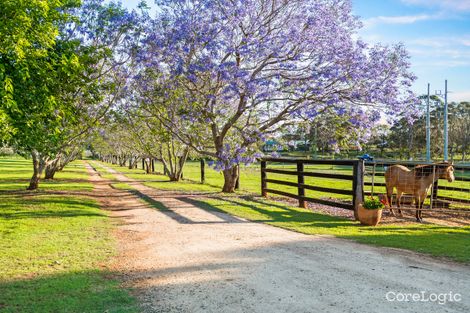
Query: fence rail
443,197
356,189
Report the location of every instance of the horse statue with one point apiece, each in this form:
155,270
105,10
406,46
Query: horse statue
417,182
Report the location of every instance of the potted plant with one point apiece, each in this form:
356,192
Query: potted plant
370,211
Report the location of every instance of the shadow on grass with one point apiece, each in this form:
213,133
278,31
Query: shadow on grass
47,214
198,182
257,200
12,162
13,170
16,180
85,291
284,214
37,207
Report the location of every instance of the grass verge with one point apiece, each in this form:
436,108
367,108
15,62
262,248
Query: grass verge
54,248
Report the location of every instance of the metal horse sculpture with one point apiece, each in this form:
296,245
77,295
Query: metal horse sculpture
417,182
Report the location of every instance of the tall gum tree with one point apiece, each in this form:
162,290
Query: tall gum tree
237,71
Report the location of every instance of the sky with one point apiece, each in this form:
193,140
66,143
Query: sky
436,33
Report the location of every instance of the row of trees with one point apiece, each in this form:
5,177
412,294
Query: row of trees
129,136
62,67
409,140
403,139
214,78
219,77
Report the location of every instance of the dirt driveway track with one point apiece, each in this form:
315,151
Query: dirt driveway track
186,259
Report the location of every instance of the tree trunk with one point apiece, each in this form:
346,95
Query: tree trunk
165,168
148,166
122,160
180,164
38,167
174,177
61,165
66,159
230,179
172,173
50,171
131,162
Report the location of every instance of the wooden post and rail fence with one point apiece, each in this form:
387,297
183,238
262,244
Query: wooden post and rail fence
360,170
353,171
356,179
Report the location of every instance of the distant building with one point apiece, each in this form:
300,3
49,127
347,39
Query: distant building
272,145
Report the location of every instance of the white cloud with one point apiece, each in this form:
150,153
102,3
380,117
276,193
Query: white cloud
448,5
405,19
465,42
450,51
442,41
459,96
429,42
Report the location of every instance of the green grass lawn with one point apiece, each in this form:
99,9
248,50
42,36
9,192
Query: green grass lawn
54,247
435,240
15,174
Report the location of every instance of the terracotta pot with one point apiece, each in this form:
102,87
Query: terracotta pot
368,217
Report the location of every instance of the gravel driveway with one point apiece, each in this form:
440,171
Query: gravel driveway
186,259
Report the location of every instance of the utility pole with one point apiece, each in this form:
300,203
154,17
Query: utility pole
428,129
446,126
446,133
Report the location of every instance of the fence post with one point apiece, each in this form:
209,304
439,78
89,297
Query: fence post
263,179
237,183
435,188
203,171
358,185
300,181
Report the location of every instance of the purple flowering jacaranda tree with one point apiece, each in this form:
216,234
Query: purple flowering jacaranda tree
238,70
